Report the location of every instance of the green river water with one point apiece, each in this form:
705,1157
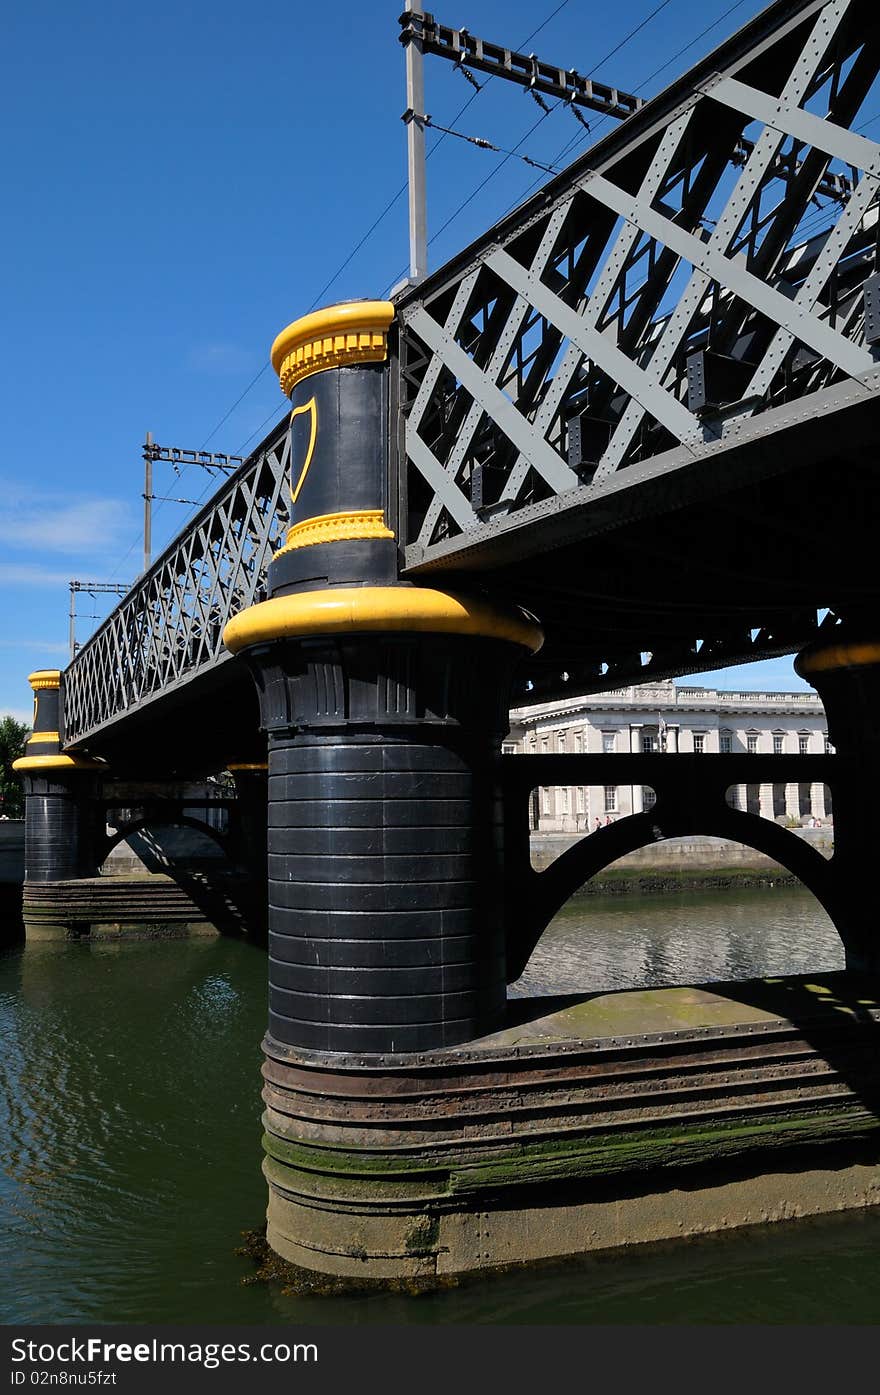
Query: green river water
129,1138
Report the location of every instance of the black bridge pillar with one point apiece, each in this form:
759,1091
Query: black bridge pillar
61,808
845,671
385,705
251,780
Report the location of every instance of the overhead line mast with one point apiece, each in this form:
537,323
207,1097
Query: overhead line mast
93,589
420,34
176,456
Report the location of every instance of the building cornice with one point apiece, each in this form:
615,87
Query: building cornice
689,703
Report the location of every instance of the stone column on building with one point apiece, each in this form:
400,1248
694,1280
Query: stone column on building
635,746
817,795
793,801
765,801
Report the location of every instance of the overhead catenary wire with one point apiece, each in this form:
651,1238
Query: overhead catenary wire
511,154
402,190
642,83
387,209
444,132
484,144
507,155
627,38
395,198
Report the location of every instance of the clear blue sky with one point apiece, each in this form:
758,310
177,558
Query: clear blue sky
182,180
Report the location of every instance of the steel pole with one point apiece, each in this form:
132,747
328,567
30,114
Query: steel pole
72,617
148,500
415,138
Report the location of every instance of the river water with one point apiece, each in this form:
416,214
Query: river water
129,1138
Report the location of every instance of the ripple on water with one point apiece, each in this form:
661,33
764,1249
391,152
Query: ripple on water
129,1136
647,941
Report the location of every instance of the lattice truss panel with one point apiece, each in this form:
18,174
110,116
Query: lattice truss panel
709,260
169,626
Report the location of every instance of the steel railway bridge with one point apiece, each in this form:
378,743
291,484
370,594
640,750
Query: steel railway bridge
630,432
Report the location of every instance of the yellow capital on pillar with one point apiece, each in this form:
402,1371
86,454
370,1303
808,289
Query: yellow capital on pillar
356,332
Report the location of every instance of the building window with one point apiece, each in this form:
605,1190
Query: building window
563,800
545,744
579,741
649,798
610,799
508,747
581,799
699,742
609,741
752,742
778,740
545,801
803,745
649,744
725,743
829,749
560,737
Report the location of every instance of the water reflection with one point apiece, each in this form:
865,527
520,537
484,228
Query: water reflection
695,937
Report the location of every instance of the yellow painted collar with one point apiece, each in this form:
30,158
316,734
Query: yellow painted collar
356,332
852,654
34,764
45,678
377,609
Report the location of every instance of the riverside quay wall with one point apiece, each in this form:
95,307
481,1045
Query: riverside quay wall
681,861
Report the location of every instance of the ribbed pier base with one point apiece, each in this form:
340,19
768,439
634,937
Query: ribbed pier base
575,1131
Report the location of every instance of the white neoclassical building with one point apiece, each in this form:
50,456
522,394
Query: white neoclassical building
664,717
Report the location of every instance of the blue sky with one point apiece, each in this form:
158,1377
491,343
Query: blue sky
182,180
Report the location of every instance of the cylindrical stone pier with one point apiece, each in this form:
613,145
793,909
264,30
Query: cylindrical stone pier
384,705
385,855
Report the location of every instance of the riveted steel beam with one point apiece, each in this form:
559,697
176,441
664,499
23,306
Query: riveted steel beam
693,228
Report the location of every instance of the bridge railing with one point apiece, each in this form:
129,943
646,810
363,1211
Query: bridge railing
710,262
169,626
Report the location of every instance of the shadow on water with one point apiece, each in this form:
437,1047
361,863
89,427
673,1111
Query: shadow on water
11,919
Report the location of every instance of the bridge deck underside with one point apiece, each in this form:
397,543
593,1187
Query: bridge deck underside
199,728
687,570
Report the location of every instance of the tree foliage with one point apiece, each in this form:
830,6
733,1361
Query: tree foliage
13,736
